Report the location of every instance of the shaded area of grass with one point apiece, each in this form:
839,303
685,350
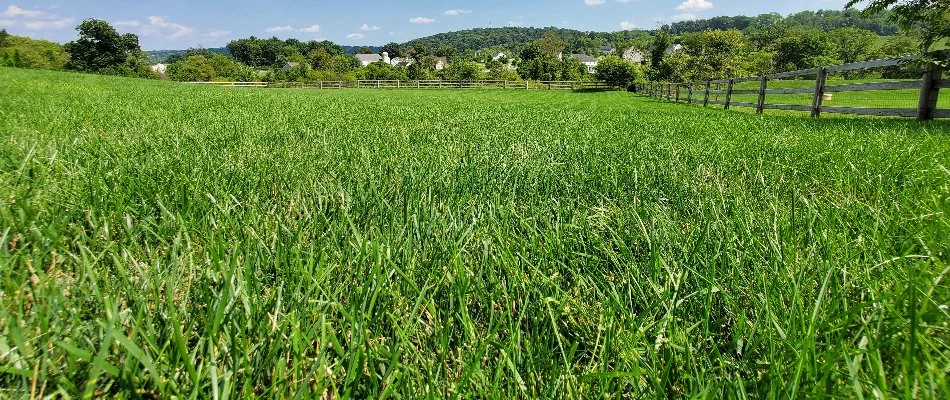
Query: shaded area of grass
161,239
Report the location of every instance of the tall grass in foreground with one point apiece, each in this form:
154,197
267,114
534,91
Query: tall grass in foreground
166,240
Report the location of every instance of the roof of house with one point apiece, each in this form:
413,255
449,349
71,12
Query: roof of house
674,48
443,60
606,49
584,58
292,64
369,57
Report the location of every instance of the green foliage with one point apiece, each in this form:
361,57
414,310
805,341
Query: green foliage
394,49
823,20
382,71
274,52
209,67
462,71
617,72
714,54
551,44
195,68
320,59
513,39
662,40
804,49
23,52
179,241
100,49
853,44
542,68
344,63
929,18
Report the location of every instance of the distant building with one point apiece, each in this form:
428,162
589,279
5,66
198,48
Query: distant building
498,56
159,68
674,48
289,66
367,59
634,55
607,50
401,61
441,63
588,61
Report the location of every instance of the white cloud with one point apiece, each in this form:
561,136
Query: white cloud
369,28
594,2
457,11
421,20
625,1
279,29
695,5
126,24
47,25
627,25
514,23
7,22
214,35
311,29
14,11
684,17
162,27
356,36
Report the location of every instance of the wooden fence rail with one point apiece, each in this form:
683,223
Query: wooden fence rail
928,86
429,84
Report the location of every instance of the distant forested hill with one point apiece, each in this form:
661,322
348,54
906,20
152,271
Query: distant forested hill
516,37
824,20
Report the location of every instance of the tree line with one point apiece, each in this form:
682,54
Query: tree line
718,48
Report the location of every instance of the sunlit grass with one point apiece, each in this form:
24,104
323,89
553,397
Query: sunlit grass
167,240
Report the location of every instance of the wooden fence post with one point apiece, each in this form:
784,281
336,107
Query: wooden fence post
689,93
677,93
929,91
729,93
819,92
706,96
760,105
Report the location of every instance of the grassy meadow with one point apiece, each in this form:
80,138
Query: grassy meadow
161,240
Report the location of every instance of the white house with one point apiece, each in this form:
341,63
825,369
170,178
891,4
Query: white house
367,59
401,61
498,56
588,61
674,48
634,55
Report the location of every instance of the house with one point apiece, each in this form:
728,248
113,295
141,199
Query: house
401,61
606,50
674,48
498,56
289,66
634,55
441,63
588,61
367,59
159,68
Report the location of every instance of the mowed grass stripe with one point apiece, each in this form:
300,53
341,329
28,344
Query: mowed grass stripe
165,240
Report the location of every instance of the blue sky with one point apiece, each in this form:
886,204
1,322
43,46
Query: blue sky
179,24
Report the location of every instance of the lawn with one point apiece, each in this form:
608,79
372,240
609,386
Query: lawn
160,239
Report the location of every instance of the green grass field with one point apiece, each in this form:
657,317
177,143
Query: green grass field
163,240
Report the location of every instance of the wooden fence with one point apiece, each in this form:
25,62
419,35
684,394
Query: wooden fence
699,92
431,84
